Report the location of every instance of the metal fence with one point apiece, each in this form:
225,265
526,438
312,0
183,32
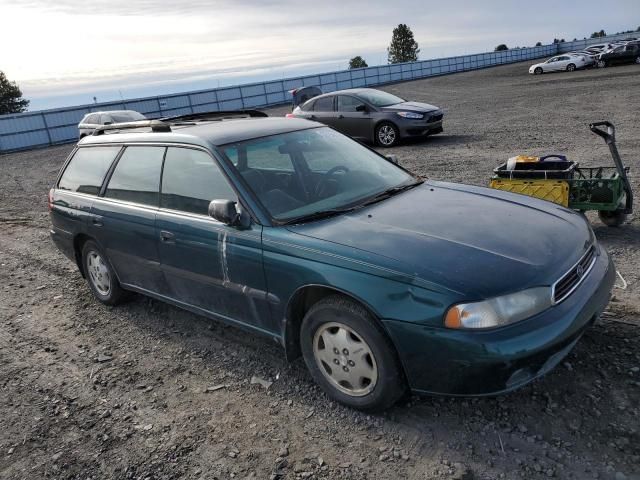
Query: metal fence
56,126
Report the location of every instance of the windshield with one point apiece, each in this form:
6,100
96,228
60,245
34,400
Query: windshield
302,173
123,117
379,98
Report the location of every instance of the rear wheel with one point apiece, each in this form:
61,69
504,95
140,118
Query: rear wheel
571,67
613,218
100,275
387,134
538,70
349,355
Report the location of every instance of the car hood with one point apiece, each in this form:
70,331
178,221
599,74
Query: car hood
410,106
536,65
476,241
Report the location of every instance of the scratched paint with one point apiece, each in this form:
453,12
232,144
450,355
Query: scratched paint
223,259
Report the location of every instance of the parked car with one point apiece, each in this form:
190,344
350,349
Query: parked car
599,47
628,53
382,281
589,57
91,121
566,62
372,115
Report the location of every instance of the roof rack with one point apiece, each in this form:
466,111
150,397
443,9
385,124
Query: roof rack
156,126
164,124
217,115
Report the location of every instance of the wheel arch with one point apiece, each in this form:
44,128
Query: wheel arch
78,243
299,304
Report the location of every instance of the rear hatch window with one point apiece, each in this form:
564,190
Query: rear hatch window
86,170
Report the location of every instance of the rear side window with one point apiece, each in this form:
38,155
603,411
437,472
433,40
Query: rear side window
324,104
86,170
136,177
191,179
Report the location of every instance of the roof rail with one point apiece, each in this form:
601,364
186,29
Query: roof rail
156,126
216,115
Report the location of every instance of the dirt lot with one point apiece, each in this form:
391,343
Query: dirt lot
146,391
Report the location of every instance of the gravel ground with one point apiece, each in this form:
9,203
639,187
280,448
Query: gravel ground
146,391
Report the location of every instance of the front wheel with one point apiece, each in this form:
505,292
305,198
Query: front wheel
638,60
350,356
571,67
601,64
100,275
387,134
538,71
613,218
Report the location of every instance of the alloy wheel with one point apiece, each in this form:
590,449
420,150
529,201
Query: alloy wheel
345,359
638,60
98,273
387,135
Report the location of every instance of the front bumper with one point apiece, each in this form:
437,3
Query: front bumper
419,128
462,362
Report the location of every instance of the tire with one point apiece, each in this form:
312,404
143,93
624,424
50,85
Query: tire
601,64
613,218
538,71
637,60
100,275
571,67
387,134
346,325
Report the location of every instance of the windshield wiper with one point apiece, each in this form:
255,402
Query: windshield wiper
319,215
389,192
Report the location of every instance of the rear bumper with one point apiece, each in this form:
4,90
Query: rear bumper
453,362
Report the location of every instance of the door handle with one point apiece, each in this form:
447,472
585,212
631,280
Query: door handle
96,222
167,237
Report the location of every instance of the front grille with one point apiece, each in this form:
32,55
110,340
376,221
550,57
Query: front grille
436,118
570,281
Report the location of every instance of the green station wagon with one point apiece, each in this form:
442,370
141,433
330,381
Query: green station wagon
384,282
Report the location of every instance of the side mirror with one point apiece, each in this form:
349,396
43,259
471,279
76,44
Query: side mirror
392,158
361,108
226,211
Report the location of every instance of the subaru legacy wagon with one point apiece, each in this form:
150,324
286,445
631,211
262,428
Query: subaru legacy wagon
382,281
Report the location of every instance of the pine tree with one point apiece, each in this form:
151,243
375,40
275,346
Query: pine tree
11,100
403,47
357,62
500,48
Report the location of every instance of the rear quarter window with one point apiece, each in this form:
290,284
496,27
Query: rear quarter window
86,170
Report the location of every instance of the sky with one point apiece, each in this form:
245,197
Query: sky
65,52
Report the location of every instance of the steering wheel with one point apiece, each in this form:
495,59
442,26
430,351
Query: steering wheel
321,185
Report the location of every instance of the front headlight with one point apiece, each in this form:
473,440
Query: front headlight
499,311
410,115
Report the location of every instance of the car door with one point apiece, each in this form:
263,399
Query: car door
350,121
561,63
324,111
123,218
209,266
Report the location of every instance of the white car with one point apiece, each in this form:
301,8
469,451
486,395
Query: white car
590,57
566,62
